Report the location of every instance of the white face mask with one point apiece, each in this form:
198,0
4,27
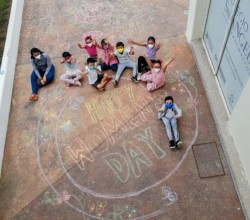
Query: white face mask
38,57
89,44
150,46
156,70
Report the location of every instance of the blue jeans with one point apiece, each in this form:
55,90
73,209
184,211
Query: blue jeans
104,66
122,66
171,123
37,85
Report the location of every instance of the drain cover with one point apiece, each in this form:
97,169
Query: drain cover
208,160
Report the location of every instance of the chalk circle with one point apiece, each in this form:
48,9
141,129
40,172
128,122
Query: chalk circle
172,197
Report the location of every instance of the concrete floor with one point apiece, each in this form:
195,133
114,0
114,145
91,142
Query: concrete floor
78,153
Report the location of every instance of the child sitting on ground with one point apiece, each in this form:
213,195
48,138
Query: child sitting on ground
73,74
96,78
108,57
124,61
169,113
155,78
151,49
90,46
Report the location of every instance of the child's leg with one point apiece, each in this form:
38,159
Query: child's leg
175,129
121,67
34,85
141,63
104,66
67,78
147,77
132,65
50,76
103,82
79,76
114,67
167,124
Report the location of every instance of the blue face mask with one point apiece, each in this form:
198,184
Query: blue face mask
92,67
169,105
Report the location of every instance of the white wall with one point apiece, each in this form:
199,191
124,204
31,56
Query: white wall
240,128
8,70
197,18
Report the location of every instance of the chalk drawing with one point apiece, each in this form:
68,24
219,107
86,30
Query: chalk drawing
122,212
82,153
136,158
1,72
66,127
110,196
119,165
168,194
54,198
153,146
97,208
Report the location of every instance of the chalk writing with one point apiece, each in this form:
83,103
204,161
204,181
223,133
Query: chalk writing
119,165
81,153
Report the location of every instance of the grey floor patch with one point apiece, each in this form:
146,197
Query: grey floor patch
208,160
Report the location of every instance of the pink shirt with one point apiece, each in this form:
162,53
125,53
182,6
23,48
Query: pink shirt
158,78
106,56
92,51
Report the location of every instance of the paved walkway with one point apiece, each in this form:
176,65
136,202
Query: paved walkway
81,154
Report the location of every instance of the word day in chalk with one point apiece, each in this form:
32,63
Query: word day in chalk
122,164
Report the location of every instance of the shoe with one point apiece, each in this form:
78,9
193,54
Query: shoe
33,97
178,144
171,144
116,84
108,79
135,80
78,83
139,76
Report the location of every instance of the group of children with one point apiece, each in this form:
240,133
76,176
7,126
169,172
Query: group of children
149,70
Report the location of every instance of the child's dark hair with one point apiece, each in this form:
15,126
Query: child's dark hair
66,54
90,60
151,38
103,41
34,50
158,61
169,98
120,44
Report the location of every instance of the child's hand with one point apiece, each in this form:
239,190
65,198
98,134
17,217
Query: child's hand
79,45
94,42
62,60
158,46
73,59
131,41
160,110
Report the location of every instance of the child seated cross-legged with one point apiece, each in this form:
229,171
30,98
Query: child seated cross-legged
122,55
155,78
96,78
73,74
151,50
169,113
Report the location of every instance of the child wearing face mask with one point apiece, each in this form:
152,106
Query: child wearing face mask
151,49
122,55
155,78
90,46
108,57
169,113
73,74
96,78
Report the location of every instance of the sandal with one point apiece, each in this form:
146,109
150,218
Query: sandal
116,84
33,97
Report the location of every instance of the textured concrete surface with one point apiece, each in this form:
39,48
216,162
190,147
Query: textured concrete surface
81,154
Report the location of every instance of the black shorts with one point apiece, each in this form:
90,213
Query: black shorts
98,81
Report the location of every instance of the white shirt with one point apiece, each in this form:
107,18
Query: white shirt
92,75
124,57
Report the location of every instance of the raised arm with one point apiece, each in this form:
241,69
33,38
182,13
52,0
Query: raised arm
131,41
132,51
165,65
149,62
